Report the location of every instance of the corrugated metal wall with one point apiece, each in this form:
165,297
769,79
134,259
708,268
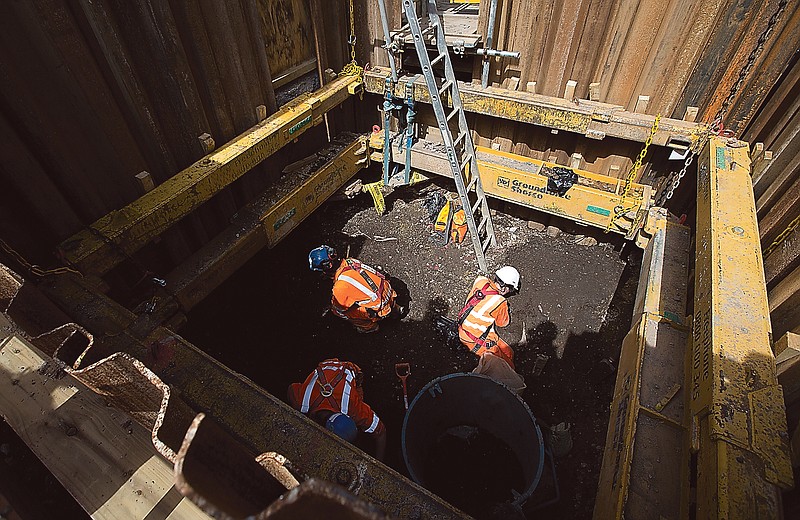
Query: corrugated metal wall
93,92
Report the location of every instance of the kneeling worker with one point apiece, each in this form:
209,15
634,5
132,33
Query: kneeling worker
333,396
486,308
361,294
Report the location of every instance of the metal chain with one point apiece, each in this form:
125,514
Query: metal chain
751,59
675,181
780,238
352,68
33,268
640,158
620,209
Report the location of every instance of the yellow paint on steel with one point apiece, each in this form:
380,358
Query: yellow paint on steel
294,207
590,118
738,418
107,242
594,200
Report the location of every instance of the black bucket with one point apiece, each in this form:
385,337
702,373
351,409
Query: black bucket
474,442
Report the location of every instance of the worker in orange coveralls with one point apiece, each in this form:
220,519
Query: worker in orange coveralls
333,396
361,294
487,308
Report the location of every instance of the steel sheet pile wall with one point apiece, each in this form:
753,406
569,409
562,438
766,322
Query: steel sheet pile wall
721,56
94,92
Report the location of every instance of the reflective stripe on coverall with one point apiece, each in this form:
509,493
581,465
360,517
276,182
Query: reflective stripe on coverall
335,386
480,316
366,288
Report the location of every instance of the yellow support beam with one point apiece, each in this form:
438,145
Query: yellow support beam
738,420
264,222
592,119
595,200
109,240
647,424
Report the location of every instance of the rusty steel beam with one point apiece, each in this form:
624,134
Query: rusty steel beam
110,240
589,118
259,420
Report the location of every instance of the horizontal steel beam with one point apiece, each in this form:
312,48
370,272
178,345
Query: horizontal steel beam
263,223
595,200
590,118
737,410
109,240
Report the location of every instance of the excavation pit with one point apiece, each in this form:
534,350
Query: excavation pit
575,305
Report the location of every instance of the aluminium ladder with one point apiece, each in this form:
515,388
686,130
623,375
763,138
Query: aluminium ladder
460,150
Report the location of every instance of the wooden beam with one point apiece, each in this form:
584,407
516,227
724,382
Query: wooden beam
594,91
145,181
691,114
569,90
101,456
783,259
784,304
641,104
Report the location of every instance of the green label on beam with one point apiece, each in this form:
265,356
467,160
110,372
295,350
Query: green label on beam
720,158
300,124
599,211
284,219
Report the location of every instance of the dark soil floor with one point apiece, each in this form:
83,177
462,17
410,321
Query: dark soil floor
575,304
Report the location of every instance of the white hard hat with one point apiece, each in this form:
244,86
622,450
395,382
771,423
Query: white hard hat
509,276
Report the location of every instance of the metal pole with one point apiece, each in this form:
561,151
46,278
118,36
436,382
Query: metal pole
489,43
387,38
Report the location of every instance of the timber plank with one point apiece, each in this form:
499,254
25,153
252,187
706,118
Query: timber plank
780,215
98,453
783,259
784,304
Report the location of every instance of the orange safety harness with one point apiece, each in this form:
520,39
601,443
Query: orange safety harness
476,297
326,389
383,294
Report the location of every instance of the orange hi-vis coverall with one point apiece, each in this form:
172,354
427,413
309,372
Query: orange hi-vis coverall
361,294
335,386
485,309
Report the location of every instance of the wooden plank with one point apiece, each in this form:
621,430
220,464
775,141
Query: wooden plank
783,259
569,90
102,457
780,215
145,181
286,27
691,114
641,104
784,304
594,91
787,347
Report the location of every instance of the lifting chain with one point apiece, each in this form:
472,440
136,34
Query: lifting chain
675,181
33,268
620,209
780,238
352,68
640,158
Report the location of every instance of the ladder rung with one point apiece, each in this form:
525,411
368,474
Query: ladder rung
483,223
475,207
472,183
486,245
428,29
459,139
438,58
445,86
454,112
466,162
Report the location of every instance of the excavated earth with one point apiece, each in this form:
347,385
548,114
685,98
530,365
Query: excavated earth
575,306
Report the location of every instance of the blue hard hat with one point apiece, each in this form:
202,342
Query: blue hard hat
343,426
320,258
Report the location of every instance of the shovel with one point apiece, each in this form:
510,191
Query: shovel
403,370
